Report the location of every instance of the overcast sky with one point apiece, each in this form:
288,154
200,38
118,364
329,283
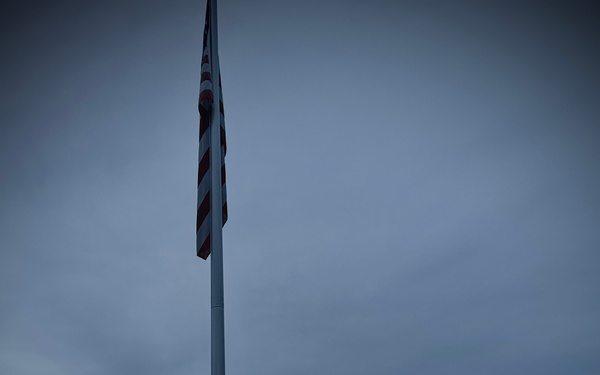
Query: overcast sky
412,188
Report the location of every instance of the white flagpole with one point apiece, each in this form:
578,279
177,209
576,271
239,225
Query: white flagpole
216,237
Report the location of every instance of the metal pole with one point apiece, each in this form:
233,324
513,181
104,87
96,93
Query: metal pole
216,257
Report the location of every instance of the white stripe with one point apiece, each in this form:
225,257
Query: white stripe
206,84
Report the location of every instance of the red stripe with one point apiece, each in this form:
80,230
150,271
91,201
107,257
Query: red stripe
206,94
203,210
224,217
204,120
223,140
204,165
204,250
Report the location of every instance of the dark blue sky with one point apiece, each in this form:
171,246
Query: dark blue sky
413,188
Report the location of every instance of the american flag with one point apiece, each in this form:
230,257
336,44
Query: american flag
205,103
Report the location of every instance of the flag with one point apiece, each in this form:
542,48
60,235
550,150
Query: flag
204,216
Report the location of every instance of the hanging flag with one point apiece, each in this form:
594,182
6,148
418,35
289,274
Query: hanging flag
205,107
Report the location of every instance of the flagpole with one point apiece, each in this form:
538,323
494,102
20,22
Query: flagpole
216,253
